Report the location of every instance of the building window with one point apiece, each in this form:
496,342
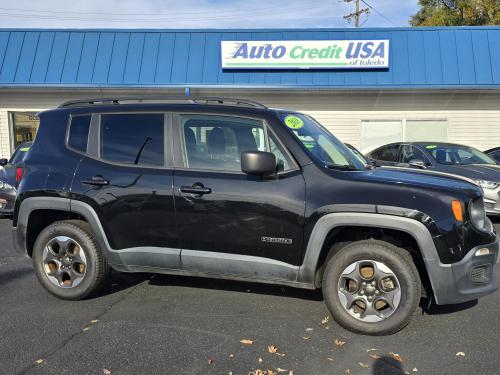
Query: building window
381,132
426,130
378,133
24,127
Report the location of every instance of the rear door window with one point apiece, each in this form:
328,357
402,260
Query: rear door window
136,139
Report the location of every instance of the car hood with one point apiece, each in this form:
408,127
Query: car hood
421,178
490,172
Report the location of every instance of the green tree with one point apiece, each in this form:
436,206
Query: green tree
457,13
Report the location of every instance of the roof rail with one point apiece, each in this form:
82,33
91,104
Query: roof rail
193,100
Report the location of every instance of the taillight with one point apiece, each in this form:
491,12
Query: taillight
19,174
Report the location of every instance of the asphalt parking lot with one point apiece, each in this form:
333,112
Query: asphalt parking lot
149,324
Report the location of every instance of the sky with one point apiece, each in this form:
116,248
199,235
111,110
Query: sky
199,13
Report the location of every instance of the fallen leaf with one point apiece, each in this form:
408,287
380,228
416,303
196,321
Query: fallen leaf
105,371
375,356
460,354
309,329
330,359
371,350
86,329
246,342
347,371
306,337
415,369
396,356
325,320
39,361
339,343
210,361
270,372
281,354
230,373
364,365
327,327
231,355
272,349
260,360
280,369
94,321
290,372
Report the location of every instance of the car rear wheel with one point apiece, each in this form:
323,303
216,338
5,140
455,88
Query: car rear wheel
68,261
371,287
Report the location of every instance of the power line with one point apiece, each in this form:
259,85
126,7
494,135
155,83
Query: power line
357,14
379,13
219,12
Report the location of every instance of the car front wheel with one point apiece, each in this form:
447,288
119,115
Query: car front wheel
372,287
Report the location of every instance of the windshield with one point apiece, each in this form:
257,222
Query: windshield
458,155
320,143
20,152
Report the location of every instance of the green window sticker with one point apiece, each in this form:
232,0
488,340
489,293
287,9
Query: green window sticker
24,149
430,146
294,122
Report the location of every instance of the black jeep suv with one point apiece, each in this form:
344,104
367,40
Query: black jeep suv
228,188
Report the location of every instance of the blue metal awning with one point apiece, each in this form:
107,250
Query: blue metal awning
455,57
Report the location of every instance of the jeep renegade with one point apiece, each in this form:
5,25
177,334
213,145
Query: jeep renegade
231,189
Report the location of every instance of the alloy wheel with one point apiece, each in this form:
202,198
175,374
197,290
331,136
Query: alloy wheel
369,291
64,262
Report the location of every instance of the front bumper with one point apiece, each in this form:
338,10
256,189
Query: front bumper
492,201
469,279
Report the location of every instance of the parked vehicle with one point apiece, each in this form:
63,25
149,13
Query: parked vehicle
8,178
231,189
494,153
448,158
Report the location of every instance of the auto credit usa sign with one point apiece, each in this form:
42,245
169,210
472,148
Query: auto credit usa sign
305,54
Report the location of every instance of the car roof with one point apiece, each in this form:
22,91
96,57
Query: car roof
492,149
440,144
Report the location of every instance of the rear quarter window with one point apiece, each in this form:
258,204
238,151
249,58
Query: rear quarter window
79,133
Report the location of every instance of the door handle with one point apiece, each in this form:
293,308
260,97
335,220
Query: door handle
96,181
197,189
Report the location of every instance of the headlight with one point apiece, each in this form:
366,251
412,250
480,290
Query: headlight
5,186
487,184
478,216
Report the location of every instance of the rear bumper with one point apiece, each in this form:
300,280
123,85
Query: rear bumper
469,279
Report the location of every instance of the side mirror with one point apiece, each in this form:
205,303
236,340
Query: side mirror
258,163
417,163
3,162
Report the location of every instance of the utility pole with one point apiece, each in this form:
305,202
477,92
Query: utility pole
357,14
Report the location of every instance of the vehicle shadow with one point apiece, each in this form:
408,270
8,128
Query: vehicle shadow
235,286
386,365
120,281
7,277
434,309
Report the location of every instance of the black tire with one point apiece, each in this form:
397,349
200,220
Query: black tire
400,263
97,269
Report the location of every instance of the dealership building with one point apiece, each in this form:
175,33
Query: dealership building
367,86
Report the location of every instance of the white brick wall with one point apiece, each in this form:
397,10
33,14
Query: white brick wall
473,117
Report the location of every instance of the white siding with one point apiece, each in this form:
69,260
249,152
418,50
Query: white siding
473,117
